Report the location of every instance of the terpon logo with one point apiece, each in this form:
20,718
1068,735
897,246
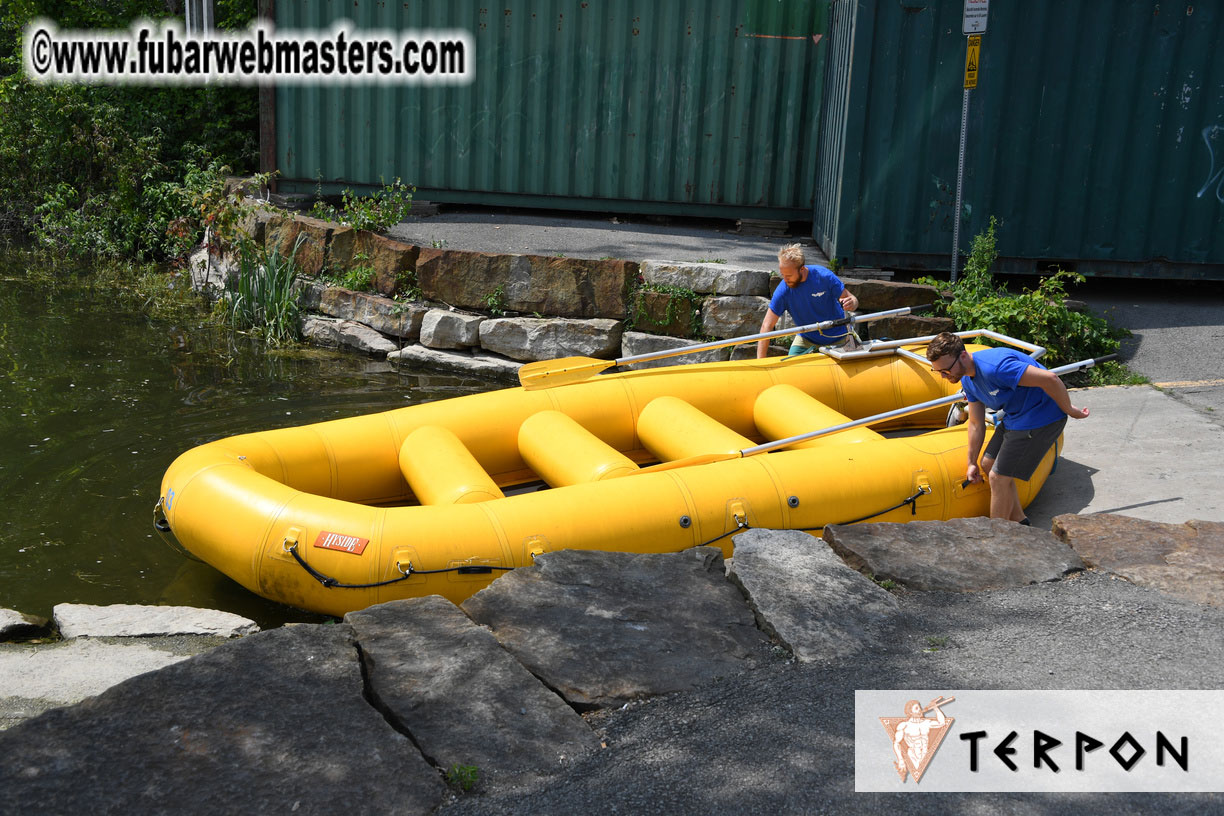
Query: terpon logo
1028,741
916,737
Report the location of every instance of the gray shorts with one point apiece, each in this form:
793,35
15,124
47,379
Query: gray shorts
1018,453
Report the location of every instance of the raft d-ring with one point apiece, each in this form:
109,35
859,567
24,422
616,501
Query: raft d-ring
290,541
401,569
925,489
741,521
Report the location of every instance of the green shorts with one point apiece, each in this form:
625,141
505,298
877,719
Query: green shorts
801,345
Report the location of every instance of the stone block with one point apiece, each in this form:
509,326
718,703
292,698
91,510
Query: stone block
134,620
397,318
807,598
391,260
567,287
14,624
734,316
274,722
465,700
898,328
1186,560
478,365
879,296
532,338
960,555
282,233
707,278
361,337
443,329
634,343
605,628
321,331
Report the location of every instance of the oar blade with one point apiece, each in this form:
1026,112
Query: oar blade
551,373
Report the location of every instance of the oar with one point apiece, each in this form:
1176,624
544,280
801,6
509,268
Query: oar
564,370
710,458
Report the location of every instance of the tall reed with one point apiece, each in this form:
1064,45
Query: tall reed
262,298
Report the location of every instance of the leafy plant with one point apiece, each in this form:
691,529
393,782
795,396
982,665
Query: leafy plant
495,301
462,777
639,317
262,297
1038,315
376,212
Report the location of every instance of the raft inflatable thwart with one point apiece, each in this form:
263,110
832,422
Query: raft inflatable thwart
440,498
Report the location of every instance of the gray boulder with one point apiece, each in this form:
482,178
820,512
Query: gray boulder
733,316
634,343
807,598
442,329
135,620
961,555
272,723
14,624
541,338
604,628
480,365
464,699
706,278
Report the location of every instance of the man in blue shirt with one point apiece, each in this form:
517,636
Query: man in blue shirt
1035,403
812,294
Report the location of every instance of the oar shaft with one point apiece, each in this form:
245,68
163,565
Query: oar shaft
735,341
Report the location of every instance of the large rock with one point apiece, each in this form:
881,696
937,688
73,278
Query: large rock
961,555
134,620
391,261
281,234
568,287
898,328
733,316
536,338
361,337
384,315
604,628
880,296
1181,559
443,329
479,365
14,624
322,331
275,722
462,697
707,278
634,343
807,598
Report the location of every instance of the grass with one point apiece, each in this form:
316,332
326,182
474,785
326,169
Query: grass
262,298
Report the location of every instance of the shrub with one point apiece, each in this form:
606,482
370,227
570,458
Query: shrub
376,212
1037,315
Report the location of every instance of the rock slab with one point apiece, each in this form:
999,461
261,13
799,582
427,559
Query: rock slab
480,365
604,628
807,598
272,723
461,696
1181,559
14,624
960,555
135,620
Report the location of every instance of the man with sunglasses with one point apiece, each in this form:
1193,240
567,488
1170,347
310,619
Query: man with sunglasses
1035,403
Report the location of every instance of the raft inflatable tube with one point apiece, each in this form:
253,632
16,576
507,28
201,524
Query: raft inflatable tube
441,498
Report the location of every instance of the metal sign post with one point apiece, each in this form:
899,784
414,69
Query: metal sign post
974,23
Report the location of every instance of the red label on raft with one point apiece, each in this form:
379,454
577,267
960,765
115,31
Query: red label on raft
339,541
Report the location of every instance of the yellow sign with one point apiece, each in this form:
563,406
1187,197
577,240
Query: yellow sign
972,55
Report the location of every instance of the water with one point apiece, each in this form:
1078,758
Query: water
97,399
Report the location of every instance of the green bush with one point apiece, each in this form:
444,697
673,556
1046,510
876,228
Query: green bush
1038,315
101,170
378,211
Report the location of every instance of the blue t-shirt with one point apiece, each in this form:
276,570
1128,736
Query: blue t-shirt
996,384
814,300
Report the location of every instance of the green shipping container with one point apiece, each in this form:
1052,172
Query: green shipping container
686,108
1095,136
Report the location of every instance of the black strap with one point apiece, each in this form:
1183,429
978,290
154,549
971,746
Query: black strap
332,583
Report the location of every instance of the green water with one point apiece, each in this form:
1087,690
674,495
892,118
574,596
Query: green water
97,399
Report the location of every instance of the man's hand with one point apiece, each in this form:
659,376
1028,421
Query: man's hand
973,473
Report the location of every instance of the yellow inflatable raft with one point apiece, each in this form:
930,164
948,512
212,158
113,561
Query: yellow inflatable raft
438,499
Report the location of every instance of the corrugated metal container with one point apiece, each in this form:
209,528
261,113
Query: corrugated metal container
1095,136
669,107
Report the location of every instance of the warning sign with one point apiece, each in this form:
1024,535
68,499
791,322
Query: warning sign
972,56
976,12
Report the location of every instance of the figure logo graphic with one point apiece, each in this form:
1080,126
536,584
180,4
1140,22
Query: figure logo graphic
916,737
